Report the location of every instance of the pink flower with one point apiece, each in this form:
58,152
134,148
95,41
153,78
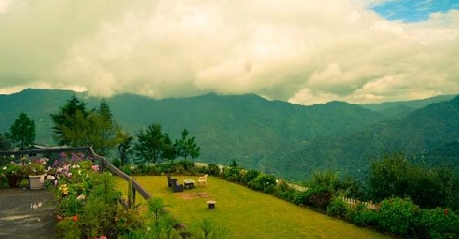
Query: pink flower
95,167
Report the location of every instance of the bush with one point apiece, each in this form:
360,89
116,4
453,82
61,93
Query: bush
116,162
213,170
300,198
438,223
264,183
398,216
284,191
319,197
128,169
248,176
362,216
337,208
68,229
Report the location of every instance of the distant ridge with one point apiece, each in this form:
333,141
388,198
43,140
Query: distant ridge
288,140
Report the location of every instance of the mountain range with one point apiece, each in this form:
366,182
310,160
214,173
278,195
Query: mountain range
288,140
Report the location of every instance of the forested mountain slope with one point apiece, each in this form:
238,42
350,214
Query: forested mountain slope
285,139
427,135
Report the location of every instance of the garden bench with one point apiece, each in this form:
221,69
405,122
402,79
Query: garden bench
172,182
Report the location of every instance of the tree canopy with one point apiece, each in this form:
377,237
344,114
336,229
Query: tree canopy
23,131
186,146
75,126
152,145
395,176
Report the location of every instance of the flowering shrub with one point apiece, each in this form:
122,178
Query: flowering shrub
88,204
36,166
12,169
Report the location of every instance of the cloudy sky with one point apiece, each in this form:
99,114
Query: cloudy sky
301,51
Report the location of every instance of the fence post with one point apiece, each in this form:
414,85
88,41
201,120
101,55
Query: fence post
131,193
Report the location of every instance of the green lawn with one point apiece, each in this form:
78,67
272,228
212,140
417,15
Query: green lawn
246,213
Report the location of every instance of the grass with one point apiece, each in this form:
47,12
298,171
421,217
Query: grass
246,213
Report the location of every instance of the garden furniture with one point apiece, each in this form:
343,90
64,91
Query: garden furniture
203,180
188,183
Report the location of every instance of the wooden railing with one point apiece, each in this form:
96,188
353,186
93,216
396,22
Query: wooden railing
133,186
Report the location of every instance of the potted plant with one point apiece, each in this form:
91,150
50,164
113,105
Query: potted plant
36,171
13,173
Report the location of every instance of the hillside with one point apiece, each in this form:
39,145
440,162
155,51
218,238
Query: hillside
427,135
285,139
401,109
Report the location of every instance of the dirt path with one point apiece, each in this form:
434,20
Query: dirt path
26,214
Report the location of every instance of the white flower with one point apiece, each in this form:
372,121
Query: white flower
5,168
81,197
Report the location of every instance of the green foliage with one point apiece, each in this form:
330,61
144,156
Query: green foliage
23,131
428,188
77,127
153,145
327,179
337,207
248,176
209,229
103,132
398,216
389,177
213,169
125,148
439,223
186,146
156,208
339,136
319,197
5,142
68,229
232,172
128,169
264,183
360,215
66,118
284,191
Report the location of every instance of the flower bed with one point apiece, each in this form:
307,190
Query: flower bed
88,204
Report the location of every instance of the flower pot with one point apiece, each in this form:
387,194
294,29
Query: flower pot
36,182
13,181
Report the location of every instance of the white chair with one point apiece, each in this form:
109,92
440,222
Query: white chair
203,180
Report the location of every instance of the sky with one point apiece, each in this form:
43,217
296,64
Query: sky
299,51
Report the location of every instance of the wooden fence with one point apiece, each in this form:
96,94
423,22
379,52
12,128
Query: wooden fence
133,186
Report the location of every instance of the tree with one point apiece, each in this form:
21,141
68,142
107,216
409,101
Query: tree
169,150
5,143
77,127
66,119
152,144
389,177
104,133
23,131
186,146
124,148
394,176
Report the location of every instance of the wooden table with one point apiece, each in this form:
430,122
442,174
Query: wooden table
188,183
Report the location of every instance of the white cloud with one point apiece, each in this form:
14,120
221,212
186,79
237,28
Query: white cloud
7,6
302,51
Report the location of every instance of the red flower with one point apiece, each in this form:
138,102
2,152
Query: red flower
75,218
446,211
